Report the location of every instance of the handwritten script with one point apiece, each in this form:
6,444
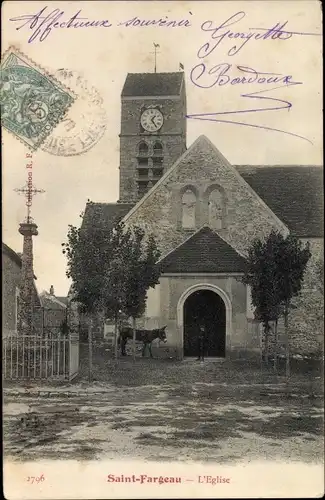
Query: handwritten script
225,74
224,39
42,23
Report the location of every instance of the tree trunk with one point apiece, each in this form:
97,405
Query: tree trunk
134,336
286,314
90,348
116,335
261,333
266,345
275,360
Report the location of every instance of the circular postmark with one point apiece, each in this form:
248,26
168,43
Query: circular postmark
85,122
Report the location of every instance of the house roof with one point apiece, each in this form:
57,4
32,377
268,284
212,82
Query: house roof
15,256
204,252
294,193
51,302
64,300
152,84
12,254
105,214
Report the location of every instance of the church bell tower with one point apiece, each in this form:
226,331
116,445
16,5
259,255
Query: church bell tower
153,130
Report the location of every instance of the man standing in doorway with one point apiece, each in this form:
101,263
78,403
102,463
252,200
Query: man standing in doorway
201,342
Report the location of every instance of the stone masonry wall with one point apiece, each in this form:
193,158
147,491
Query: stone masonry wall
10,281
306,318
172,135
246,217
306,322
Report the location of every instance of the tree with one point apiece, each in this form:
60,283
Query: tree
260,276
86,251
111,270
130,270
292,259
275,271
116,275
143,273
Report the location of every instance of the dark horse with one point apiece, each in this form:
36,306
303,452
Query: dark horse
145,336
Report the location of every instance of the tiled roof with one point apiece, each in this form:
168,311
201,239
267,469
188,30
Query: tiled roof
105,214
51,302
152,84
293,193
204,252
64,300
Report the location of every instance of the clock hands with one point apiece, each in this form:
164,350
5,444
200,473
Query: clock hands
151,120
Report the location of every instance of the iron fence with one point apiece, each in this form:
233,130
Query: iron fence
51,352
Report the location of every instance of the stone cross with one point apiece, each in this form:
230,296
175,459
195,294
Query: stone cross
29,191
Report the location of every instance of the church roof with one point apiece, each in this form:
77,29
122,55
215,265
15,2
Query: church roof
204,252
105,214
294,193
152,84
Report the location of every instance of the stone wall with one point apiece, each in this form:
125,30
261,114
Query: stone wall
306,321
11,273
306,318
11,282
239,335
172,135
246,216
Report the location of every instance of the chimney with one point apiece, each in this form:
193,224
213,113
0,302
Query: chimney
52,290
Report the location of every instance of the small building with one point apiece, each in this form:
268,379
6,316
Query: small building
54,312
11,283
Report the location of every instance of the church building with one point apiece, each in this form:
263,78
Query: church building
204,213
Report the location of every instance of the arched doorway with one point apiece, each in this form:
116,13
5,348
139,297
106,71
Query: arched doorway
208,308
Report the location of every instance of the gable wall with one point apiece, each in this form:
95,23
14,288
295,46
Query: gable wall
245,216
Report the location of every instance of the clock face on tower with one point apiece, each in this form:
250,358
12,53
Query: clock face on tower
152,120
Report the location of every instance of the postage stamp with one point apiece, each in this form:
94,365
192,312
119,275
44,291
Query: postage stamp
85,122
32,101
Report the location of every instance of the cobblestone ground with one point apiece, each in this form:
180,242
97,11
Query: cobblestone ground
149,411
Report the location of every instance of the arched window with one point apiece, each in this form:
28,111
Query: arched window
157,149
143,149
188,209
215,205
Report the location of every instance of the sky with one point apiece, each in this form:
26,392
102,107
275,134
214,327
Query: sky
104,56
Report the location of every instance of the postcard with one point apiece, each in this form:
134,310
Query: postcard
163,303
